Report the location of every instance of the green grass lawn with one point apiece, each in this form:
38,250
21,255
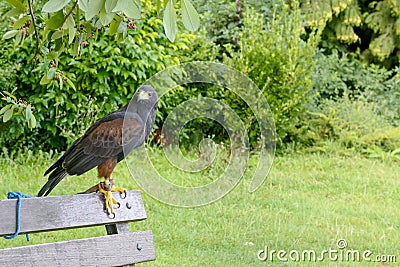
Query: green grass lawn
308,202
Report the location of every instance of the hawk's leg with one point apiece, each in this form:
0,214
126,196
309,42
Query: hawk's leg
106,188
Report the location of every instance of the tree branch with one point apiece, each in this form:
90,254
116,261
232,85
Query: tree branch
69,13
35,28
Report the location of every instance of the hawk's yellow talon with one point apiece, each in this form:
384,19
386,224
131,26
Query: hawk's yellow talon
118,189
110,200
121,190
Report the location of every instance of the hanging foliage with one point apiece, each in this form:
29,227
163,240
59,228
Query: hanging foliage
370,25
62,26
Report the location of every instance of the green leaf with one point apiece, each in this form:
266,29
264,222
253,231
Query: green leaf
5,108
55,21
18,38
122,28
28,113
169,21
20,22
110,5
70,25
190,17
18,4
31,29
129,8
44,80
56,35
114,26
60,83
54,5
59,45
44,50
8,114
51,73
32,122
93,8
71,34
14,12
104,17
77,45
159,3
10,34
70,83
88,28
10,95
83,4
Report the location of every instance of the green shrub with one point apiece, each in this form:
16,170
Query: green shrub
337,75
9,74
356,106
351,123
387,96
194,131
276,58
222,21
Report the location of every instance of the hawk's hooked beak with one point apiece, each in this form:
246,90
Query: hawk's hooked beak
142,96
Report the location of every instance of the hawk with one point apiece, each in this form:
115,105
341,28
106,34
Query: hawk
108,141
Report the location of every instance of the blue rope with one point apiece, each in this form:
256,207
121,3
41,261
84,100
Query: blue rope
18,196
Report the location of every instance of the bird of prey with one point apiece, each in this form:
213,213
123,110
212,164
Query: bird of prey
108,141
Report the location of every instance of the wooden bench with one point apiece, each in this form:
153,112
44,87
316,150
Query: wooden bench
119,248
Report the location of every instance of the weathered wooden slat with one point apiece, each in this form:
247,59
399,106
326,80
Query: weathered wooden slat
62,212
110,250
118,228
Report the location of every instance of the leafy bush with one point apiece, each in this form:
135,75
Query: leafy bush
222,21
10,73
285,84
276,58
387,96
197,129
103,78
352,123
336,76
356,106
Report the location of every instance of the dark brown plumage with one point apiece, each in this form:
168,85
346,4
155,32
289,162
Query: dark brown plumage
108,141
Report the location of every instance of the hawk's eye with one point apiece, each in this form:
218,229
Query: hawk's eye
149,93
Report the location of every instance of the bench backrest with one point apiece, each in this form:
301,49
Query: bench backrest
120,247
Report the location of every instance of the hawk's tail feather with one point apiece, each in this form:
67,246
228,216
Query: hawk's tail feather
55,177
